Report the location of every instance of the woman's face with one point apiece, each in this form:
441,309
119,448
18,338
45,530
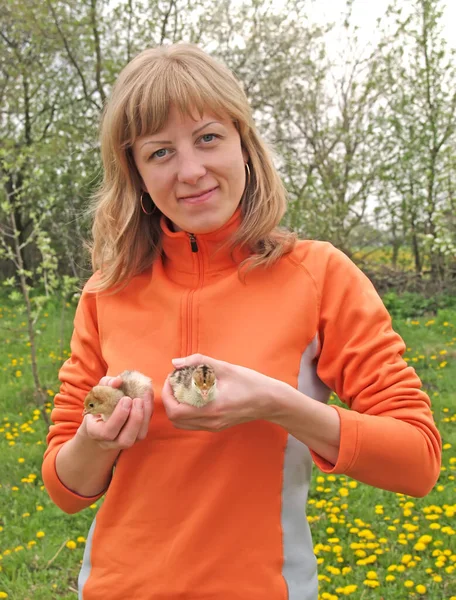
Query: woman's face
194,170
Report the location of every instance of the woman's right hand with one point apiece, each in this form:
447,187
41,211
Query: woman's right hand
128,424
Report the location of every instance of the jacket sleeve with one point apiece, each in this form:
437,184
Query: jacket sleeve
78,375
388,438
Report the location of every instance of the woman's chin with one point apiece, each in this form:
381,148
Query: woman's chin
205,223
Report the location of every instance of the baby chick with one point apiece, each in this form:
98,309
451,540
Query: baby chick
102,399
194,385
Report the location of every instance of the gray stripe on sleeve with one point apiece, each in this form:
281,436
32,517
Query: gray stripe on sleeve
300,565
308,381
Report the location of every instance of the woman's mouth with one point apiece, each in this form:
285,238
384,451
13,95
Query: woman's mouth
198,199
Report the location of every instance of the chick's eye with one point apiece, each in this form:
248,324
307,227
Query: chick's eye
91,405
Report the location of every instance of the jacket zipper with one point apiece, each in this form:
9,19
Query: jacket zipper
195,249
193,242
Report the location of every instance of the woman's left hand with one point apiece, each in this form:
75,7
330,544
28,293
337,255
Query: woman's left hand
242,395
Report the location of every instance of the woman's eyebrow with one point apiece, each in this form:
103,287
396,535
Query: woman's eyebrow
193,133
205,125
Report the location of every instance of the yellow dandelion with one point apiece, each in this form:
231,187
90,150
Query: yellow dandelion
425,539
71,544
371,575
40,534
421,589
419,546
373,583
406,559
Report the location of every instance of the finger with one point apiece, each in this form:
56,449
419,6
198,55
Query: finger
110,429
168,399
186,416
174,409
112,381
148,410
196,359
115,382
129,433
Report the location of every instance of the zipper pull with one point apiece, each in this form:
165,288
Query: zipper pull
193,243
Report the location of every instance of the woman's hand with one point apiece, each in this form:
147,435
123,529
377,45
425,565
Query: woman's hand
127,425
242,395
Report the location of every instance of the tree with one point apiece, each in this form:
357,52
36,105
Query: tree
419,128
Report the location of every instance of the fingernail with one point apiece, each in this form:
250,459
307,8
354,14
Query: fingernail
137,403
177,362
126,403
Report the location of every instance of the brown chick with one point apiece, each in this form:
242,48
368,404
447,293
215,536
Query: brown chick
102,399
194,385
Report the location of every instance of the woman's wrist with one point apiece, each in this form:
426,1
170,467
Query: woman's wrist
83,466
312,422
276,407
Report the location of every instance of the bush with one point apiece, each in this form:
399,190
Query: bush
411,305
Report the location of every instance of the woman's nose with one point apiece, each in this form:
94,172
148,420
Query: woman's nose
190,168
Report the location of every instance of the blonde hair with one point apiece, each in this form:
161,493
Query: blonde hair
125,240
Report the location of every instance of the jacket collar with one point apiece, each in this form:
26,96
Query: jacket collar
208,252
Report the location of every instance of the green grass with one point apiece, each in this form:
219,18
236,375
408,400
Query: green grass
360,533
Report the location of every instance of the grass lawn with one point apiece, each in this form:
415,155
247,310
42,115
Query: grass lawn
369,543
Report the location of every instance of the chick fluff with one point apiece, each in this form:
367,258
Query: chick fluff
102,399
194,385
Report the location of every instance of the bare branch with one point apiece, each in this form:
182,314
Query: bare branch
165,21
71,57
98,62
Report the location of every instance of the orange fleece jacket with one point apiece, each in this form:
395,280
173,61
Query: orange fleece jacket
196,515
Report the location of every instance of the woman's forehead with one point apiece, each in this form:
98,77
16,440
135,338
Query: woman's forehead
191,117
177,119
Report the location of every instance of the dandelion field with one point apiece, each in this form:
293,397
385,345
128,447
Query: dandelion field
370,544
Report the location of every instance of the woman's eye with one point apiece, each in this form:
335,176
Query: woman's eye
208,137
159,153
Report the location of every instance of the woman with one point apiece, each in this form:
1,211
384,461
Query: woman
208,503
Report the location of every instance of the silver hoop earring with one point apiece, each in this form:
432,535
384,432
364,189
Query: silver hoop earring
248,175
142,205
